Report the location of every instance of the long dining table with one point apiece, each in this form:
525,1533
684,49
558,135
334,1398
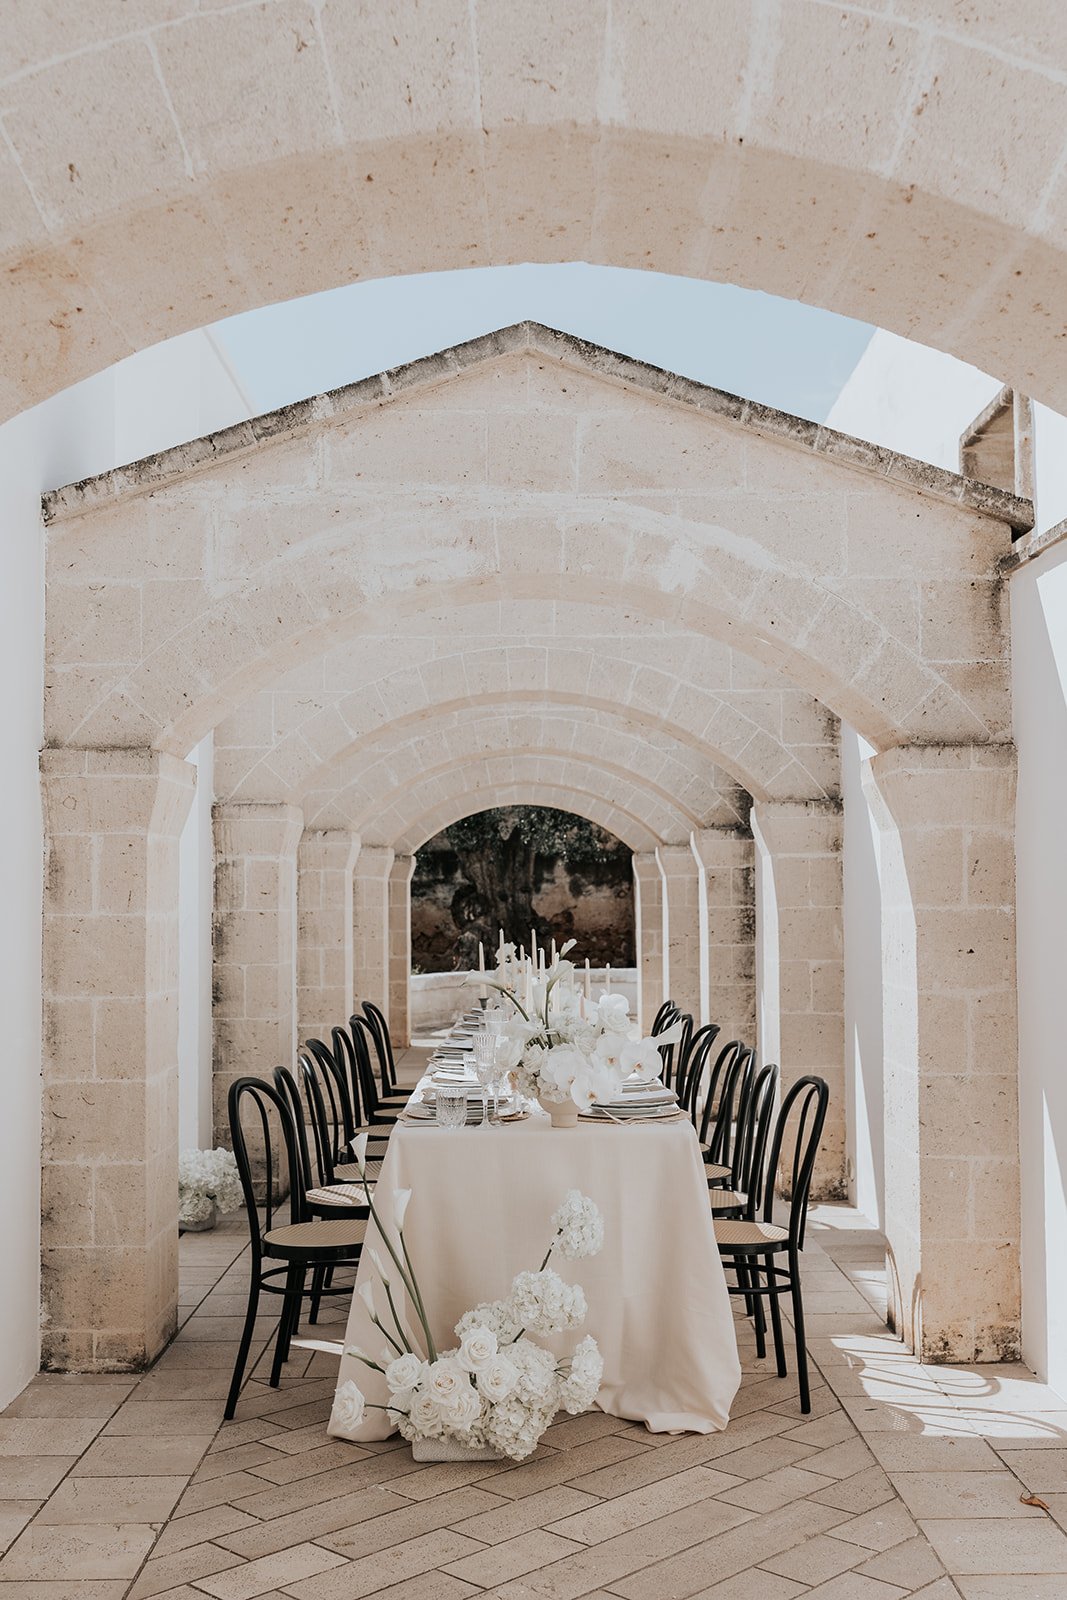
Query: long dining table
482,1200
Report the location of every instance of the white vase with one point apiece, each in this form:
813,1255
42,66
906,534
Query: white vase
564,1113
451,1450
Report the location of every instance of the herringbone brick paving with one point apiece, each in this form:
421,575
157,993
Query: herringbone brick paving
905,1480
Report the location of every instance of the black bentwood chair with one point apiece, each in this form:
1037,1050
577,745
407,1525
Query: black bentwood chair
754,1118
691,1070
383,1046
377,1110
734,1062
750,1246
666,1014
297,1246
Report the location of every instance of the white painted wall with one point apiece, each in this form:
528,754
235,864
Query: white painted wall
196,870
1039,669
864,1106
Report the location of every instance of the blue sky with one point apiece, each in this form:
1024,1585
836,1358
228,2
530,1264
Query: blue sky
776,351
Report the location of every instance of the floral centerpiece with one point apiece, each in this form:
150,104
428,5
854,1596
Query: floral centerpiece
564,1049
208,1182
497,1391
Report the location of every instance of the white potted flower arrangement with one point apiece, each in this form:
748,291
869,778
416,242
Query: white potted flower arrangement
208,1182
497,1391
563,1049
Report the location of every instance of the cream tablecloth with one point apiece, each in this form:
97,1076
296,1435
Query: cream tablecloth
480,1212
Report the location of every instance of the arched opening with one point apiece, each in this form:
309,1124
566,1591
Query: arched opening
517,873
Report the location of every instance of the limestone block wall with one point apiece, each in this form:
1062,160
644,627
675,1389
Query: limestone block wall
370,925
110,1135
726,897
399,1008
325,972
681,927
804,842
946,819
648,919
254,936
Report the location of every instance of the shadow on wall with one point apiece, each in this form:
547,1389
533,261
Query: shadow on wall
516,868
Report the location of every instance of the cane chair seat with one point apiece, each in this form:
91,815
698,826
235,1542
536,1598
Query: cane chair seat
727,1199
715,1172
348,1172
340,1235
732,1233
338,1195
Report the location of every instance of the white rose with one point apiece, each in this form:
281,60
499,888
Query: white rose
497,1378
424,1412
463,1410
348,1408
403,1373
613,1012
479,1346
445,1378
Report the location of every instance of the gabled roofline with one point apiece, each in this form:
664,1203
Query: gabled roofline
155,471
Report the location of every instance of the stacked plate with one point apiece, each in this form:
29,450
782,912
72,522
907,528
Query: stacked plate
636,1102
425,1111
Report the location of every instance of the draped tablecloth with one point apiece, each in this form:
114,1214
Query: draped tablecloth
481,1211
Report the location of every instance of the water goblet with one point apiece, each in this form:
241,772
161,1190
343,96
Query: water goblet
451,1103
485,1068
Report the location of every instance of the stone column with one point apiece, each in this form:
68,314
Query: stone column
726,890
254,937
946,819
324,967
399,1009
803,840
681,926
109,1203
370,925
648,926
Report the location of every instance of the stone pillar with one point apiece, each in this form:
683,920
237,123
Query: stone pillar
726,891
254,937
399,1009
803,840
370,925
946,818
648,927
324,969
109,1203
681,926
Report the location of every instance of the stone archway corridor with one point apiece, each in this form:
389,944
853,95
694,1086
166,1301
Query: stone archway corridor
259,644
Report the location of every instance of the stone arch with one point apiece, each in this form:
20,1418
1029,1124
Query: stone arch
282,741
351,792
730,145
716,524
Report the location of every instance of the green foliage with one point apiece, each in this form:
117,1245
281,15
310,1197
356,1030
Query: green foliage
548,832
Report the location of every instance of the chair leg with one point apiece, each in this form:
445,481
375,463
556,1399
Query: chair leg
776,1323
798,1331
243,1348
294,1282
318,1280
760,1320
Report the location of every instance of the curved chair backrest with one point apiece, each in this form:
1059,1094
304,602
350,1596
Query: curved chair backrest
720,1073
663,1018
383,1044
287,1083
805,1106
344,1052
258,1099
362,1038
687,1084
334,1091
675,1055
753,1131
326,1122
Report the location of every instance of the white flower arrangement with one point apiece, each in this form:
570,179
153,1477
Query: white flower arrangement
207,1178
558,1045
496,1389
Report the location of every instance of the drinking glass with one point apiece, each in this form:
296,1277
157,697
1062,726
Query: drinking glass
485,1068
451,1102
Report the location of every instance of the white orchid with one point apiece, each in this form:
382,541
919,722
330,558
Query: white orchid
613,1012
642,1054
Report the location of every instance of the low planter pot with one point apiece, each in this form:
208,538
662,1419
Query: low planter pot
564,1113
451,1450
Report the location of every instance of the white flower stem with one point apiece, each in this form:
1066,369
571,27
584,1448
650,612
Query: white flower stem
386,1334
407,1278
396,1318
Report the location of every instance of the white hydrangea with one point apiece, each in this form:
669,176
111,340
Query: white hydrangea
582,1384
579,1227
540,1302
205,1176
495,1315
